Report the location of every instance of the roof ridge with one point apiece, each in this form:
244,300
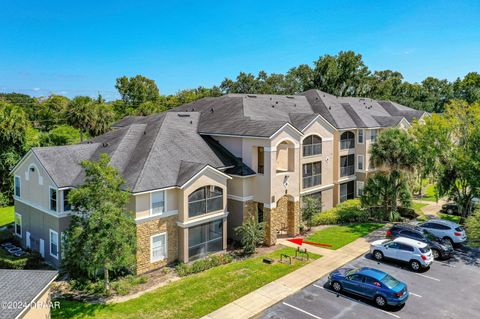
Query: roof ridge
140,176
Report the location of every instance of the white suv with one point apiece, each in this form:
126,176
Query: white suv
446,229
417,254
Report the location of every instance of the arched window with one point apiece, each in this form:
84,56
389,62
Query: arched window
205,200
312,145
347,140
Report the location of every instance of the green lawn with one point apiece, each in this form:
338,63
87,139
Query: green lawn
193,296
429,193
453,218
339,236
6,215
418,207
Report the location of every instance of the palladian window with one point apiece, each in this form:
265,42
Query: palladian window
312,145
205,200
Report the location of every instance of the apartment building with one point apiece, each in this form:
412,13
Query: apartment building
197,172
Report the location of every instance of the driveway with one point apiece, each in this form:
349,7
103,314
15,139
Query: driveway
449,289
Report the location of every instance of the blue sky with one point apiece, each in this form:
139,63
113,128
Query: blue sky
81,47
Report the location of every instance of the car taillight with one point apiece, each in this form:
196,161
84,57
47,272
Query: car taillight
457,233
424,257
389,233
398,294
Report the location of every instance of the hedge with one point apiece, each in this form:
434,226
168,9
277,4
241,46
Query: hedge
347,212
203,264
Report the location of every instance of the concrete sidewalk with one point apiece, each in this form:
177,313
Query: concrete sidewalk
255,302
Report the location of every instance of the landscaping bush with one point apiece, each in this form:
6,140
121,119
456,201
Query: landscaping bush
344,213
203,264
406,212
31,260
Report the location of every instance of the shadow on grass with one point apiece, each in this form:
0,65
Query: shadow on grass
76,309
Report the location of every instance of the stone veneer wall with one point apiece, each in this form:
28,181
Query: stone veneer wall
285,215
250,210
145,231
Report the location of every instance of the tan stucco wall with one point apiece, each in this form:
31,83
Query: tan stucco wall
41,310
143,202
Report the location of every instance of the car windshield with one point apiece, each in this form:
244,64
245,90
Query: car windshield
351,272
389,281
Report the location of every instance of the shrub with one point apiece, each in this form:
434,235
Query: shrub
473,227
124,285
251,235
203,264
344,213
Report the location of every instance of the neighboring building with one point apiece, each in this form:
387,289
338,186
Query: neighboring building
200,170
26,293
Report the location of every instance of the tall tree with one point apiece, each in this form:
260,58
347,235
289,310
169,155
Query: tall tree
137,90
81,114
51,112
102,239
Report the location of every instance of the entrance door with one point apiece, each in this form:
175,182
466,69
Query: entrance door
42,247
27,240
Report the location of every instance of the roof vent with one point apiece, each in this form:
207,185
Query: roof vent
316,98
273,105
104,144
276,102
183,115
252,96
211,110
193,109
329,107
295,104
290,97
324,95
191,122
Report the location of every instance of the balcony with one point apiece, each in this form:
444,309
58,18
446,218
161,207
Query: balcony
347,170
311,181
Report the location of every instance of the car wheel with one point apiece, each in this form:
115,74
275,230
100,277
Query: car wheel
415,265
380,301
449,240
378,255
336,286
449,211
436,254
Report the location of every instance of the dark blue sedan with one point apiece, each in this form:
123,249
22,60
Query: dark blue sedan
370,283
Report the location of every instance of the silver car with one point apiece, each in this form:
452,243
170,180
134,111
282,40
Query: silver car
450,231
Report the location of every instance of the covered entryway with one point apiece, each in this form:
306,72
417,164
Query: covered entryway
283,220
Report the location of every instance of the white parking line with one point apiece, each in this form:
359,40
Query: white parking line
358,301
415,295
427,277
301,310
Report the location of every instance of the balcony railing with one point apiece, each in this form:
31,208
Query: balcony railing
311,181
347,170
347,144
312,149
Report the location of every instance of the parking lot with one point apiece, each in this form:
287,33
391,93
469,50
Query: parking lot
449,289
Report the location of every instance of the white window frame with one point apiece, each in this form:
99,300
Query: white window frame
50,199
360,185
372,134
164,203
51,231
358,162
21,225
152,260
63,200
361,132
15,186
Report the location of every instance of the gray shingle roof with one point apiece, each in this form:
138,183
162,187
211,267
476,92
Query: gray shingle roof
355,112
148,152
22,286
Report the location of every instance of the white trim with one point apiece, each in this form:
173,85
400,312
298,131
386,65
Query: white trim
246,176
50,243
317,189
47,286
271,205
155,217
164,203
363,164
405,122
295,143
201,171
281,129
358,187
347,179
240,198
27,173
15,225
322,118
15,185
204,219
155,190
50,199
28,241
25,157
327,139
165,249
230,135
363,135
43,210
